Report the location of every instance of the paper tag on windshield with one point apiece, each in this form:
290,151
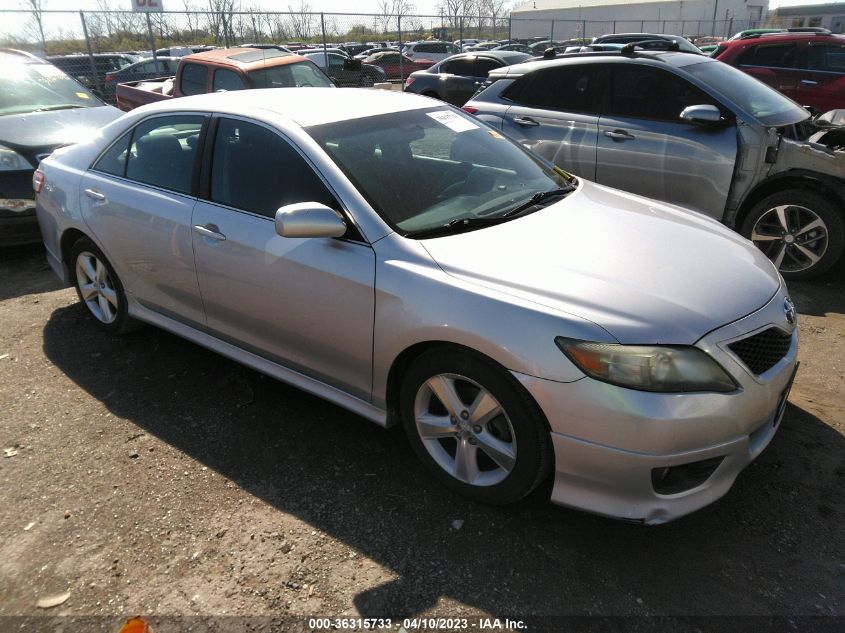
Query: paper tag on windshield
453,121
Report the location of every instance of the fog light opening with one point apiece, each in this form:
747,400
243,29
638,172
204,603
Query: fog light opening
671,480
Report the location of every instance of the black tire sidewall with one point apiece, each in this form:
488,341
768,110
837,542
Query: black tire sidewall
532,437
825,209
121,320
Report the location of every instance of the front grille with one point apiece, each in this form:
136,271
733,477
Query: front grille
762,351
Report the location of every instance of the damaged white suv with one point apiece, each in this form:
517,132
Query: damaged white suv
689,130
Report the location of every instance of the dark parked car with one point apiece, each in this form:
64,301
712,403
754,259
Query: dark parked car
519,48
807,67
41,108
145,69
355,48
79,66
684,45
456,79
388,61
688,130
347,72
538,48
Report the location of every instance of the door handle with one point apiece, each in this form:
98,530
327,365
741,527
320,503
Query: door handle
525,120
95,195
211,231
809,82
619,135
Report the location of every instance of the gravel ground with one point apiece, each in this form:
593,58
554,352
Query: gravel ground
144,474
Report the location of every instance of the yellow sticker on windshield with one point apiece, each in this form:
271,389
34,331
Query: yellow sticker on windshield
82,95
495,134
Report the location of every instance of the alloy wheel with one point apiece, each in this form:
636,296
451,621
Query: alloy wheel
465,429
795,238
96,287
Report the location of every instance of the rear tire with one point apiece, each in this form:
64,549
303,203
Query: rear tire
98,287
474,426
801,231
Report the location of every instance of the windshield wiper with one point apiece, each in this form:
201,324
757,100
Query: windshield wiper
63,106
536,200
458,225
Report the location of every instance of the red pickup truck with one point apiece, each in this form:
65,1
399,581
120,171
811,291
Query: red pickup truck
225,69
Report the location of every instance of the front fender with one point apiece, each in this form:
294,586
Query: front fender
416,302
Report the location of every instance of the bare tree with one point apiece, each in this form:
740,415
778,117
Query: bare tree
38,16
389,9
455,9
495,9
220,19
301,21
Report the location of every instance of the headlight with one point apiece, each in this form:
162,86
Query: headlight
663,368
10,160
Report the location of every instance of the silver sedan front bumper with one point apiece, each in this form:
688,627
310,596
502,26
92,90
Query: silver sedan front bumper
612,445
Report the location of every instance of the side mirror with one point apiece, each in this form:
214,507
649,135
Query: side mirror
702,115
309,219
352,64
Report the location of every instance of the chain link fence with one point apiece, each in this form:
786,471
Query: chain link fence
89,33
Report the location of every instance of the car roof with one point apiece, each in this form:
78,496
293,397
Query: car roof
14,55
501,55
657,58
246,58
302,106
785,36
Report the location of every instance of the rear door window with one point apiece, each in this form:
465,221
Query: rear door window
565,88
163,152
771,56
193,79
225,79
113,161
465,67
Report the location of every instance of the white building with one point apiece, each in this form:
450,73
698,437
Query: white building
829,16
561,19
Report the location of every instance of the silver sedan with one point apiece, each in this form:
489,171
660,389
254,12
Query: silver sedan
405,261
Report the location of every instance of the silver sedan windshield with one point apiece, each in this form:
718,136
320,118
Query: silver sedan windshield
422,169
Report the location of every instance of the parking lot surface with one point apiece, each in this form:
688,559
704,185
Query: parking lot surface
144,474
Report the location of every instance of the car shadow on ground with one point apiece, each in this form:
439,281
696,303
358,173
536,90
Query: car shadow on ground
769,547
22,271
822,296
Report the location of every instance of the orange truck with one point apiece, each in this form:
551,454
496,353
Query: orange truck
223,70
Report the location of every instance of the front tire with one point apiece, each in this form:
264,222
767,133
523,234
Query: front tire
799,230
98,287
474,426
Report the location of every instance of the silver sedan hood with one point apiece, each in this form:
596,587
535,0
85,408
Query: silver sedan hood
645,271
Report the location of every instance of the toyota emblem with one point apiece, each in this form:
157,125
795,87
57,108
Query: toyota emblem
789,310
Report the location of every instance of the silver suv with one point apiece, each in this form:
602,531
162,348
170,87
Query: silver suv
689,130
